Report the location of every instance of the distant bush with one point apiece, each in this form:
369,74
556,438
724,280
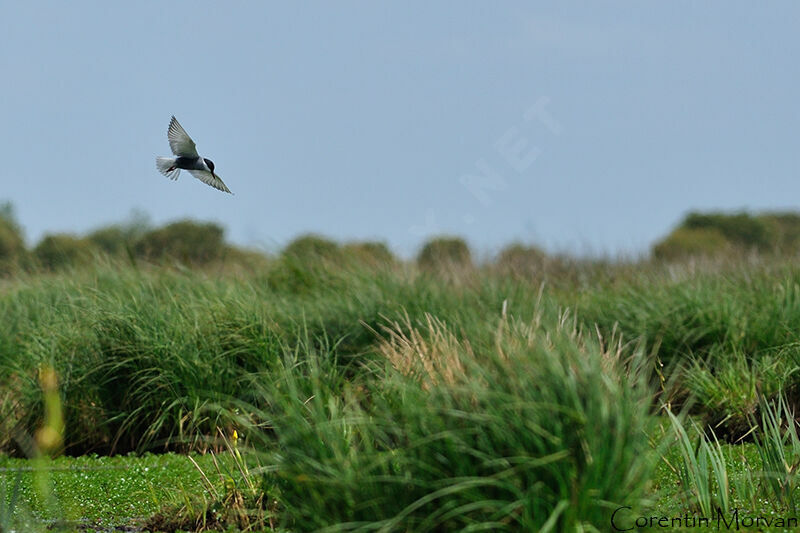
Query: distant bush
519,259
712,233
293,276
110,239
187,241
444,253
785,230
370,253
116,239
312,246
243,259
740,229
686,242
62,251
12,242
304,265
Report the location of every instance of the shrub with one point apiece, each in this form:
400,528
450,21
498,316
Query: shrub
521,260
12,242
443,253
63,250
312,247
740,229
712,233
186,241
243,259
686,242
110,239
118,238
785,229
304,265
369,253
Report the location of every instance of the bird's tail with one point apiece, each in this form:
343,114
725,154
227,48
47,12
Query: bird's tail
166,165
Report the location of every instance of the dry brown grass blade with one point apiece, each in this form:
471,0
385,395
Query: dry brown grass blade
431,352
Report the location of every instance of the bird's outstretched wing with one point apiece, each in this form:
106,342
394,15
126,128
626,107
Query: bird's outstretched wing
210,179
179,141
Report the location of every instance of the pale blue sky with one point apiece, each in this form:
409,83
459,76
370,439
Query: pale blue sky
577,127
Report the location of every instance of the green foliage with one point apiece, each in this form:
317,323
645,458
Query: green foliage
306,264
725,336
245,260
688,242
379,397
143,355
449,433
779,448
63,251
12,242
709,234
187,241
729,384
369,253
128,344
702,470
291,275
740,229
118,239
92,491
442,253
244,502
111,239
521,260
785,231
312,248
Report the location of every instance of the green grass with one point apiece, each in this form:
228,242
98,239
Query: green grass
743,465
100,491
376,397
533,430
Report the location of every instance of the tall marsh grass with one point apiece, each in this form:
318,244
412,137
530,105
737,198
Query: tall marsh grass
525,429
779,449
702,470
379,396
143,353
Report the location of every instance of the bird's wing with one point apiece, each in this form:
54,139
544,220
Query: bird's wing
179,141
210,179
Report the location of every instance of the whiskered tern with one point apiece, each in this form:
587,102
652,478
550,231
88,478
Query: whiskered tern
187,158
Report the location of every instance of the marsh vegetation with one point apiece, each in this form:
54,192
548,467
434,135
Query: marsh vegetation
337,386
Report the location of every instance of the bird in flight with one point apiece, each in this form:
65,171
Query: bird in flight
187,158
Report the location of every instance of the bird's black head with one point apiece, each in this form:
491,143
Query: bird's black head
209,164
